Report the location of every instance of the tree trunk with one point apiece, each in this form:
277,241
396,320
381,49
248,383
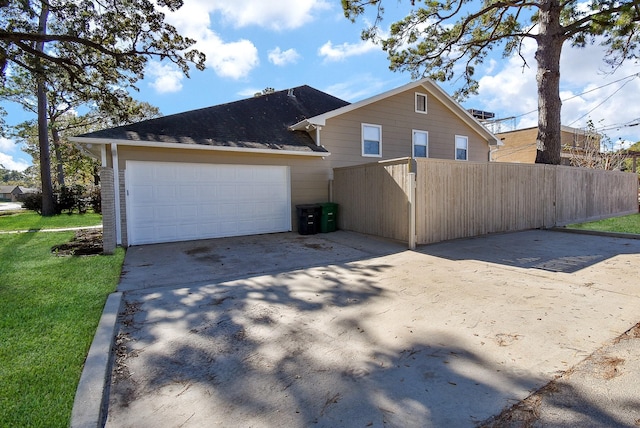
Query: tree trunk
55,135
48,207
550,41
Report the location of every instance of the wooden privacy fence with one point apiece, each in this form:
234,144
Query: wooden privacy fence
427,200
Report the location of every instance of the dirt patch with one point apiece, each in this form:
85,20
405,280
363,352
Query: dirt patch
86,242
120,373
197,251
609,367
523,414
504,339
634,332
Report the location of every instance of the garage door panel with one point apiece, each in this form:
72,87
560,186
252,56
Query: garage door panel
166,214
206,192
143,193
189,213
209,229
166,192
188,230
207,211
187,194
173,201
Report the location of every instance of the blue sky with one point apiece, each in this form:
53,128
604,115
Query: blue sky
254,44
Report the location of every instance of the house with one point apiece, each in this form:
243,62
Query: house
519,146
13,193
241,168
9,193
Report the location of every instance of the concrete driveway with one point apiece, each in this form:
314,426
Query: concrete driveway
344,330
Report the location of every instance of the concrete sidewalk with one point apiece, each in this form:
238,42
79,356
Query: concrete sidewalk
450,335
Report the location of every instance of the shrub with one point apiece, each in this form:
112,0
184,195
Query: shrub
32,202
95,200
67,199
70,199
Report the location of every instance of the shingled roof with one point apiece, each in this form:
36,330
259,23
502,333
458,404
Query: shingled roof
261,122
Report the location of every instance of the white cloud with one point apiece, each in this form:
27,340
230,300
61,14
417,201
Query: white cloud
282,58
622,144
357,88
166,77
7,160
234,60
346,50
276,15
512,91
228,59
7,145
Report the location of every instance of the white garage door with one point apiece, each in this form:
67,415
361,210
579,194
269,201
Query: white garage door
169,202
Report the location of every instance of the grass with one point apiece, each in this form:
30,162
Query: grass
33,221
49,310
624,224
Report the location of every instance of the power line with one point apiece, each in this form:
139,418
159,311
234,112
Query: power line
603,101
586,92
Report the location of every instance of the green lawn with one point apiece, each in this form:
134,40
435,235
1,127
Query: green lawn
625,224
31,220
49,310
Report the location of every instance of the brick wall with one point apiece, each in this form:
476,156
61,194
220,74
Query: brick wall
108,210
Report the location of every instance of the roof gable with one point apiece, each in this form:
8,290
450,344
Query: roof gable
8,189
425,85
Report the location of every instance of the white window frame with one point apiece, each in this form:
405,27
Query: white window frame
420,94
466,147
413,142
370,155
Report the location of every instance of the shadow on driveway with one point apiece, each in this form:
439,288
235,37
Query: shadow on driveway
341,330
552,251
324,347
223,259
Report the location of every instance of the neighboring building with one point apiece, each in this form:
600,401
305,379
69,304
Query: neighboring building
520,146
241,168
13,193
9,193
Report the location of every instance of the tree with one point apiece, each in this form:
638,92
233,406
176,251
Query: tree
8,176
631,163
595,151
440,38
97,46
63,103
71,163
266,91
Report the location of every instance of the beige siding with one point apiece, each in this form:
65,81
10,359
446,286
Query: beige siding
517,146
397,116
309,175
520,146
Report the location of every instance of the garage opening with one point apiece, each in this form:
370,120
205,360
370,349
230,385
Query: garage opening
170,201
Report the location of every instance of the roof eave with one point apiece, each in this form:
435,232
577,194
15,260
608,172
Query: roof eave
151,144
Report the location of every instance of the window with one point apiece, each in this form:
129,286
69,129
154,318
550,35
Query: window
420,144
421,103
462,147
371,140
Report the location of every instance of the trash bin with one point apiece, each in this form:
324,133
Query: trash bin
329,218
308,218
